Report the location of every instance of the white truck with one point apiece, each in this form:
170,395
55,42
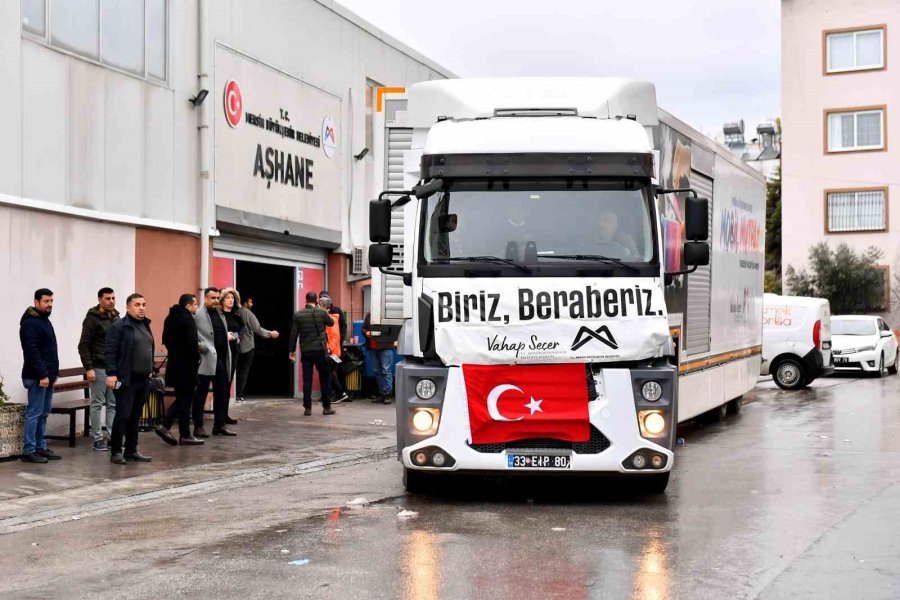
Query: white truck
569,272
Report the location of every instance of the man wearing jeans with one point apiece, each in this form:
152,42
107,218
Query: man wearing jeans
39,370
308,325
92,350
383,361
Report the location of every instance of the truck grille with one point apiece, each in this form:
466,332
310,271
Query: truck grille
595,445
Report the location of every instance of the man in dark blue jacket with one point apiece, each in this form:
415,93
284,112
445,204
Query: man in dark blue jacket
39,370
129,363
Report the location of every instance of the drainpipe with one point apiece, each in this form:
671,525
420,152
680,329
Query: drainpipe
207,210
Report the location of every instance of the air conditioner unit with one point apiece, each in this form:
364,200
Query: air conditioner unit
359,264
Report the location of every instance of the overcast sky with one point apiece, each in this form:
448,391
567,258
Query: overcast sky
712,60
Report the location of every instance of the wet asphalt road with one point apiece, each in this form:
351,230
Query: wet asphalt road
794,498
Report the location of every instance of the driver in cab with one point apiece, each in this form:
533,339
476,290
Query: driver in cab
608,234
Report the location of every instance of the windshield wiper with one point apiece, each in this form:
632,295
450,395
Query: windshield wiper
487,259
596,257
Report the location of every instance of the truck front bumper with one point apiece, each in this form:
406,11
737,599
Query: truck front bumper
615,430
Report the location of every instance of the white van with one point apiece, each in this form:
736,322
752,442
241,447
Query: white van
796,340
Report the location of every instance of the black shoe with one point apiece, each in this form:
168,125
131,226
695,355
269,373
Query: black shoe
166,435
378,399
137,457
230,421
223,431
387,399
48,454
118,459
307,412
199,432
328,411
34,457
190,441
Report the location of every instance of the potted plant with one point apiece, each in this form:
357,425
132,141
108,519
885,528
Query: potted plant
12,425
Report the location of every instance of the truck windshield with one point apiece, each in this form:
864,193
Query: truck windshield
605,220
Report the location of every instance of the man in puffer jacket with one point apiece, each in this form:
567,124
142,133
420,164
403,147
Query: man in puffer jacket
92,350
39,370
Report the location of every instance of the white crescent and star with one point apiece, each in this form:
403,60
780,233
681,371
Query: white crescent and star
494,396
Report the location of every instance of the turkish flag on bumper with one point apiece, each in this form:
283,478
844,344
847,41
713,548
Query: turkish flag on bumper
508,403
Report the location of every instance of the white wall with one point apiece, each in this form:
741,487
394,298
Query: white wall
80,137
330,48
72,257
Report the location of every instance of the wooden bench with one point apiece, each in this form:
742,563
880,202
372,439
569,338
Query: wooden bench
72,406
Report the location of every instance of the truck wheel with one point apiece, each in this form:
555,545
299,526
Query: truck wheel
717,415
734,406
417,482
789,375
892,370
654,484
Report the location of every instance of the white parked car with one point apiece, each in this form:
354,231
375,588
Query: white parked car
796,345
863,343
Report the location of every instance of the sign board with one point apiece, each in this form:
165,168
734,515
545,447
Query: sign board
277,152
539,320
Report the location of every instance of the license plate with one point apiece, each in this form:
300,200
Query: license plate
538,461
839,359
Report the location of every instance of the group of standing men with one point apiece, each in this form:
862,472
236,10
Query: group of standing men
208,344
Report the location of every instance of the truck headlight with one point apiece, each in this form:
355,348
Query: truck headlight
653,423
425,421
651,391
425,389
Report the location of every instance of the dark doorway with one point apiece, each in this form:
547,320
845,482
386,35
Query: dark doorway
272,290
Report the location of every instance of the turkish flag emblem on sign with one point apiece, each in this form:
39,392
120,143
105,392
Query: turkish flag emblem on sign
508,403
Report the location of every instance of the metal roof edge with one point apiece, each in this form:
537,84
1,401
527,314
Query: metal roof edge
345,13
708,143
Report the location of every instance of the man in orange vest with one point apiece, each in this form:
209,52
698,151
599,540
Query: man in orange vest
334,351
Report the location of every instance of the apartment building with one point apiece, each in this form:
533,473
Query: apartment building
840,105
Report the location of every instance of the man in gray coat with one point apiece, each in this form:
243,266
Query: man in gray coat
248,345
215,365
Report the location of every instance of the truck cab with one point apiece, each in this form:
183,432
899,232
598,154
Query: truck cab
530,250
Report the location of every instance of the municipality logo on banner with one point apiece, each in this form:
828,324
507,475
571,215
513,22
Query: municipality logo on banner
533,321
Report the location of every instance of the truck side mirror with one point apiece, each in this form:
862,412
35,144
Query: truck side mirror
379,221
696,254
381,255
696,219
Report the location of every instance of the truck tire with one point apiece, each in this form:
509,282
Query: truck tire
735,404
417,482
789,374
892,370
654,484
716,415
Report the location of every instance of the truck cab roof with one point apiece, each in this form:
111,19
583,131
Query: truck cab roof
568,134
479,98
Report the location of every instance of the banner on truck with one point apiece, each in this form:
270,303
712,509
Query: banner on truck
537,320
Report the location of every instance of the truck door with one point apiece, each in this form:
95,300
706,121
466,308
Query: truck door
697,315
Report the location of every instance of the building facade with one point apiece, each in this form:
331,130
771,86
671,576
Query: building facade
160,146
840,93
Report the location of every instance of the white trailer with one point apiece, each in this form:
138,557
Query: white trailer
529,225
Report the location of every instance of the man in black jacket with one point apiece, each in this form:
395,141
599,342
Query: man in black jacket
40,369
180,339
309,326
92,350
129,363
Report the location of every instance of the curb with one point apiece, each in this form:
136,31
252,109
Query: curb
259,476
